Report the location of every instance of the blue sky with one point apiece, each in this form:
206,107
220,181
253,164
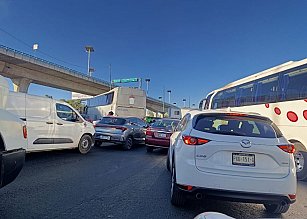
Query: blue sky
188,46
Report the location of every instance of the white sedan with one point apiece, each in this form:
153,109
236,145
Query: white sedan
234,156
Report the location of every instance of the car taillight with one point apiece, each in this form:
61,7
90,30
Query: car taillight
24,131
149,132
189,140
289,148
121,128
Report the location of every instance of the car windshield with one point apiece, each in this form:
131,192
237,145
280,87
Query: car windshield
165,123
112,121
236,125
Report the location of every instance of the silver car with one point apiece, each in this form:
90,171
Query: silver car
120,130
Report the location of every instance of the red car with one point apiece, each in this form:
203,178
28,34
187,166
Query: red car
159,133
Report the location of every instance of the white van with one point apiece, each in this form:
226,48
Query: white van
51,124
13,134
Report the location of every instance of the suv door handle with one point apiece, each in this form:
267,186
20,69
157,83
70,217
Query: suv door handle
58,123
49,123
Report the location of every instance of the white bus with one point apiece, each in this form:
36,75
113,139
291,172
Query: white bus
279,93
122,101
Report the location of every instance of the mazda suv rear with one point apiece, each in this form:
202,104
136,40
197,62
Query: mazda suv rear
232,156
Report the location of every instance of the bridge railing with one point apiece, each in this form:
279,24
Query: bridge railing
44,63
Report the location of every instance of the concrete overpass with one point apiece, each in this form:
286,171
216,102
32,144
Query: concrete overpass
24,69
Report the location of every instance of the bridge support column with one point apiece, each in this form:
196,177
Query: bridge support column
21,84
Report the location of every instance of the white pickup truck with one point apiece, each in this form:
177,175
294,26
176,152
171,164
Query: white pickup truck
13,134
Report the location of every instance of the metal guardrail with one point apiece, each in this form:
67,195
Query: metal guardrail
42,62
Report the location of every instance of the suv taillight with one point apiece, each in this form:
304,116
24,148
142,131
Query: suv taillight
289,148
24,131
190,140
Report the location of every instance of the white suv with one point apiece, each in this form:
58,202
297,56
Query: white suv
234,156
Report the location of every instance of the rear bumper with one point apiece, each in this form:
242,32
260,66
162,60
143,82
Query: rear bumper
157,142
114,138
237,196
11,164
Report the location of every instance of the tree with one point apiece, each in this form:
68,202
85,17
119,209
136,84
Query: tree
77,104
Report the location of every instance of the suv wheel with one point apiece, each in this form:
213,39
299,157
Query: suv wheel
85,144
277,208
177,196
128,144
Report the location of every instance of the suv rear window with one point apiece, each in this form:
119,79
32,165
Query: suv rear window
236,125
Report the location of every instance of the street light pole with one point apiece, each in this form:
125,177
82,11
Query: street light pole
163,101
162,105
110,71
169,96
147,85
89,49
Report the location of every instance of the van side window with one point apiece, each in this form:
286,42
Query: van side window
66,113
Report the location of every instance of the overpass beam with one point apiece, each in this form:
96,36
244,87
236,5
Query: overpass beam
21,84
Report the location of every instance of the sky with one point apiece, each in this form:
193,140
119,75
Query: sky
190,47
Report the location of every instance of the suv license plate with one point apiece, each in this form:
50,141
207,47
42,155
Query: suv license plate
103,137
243,159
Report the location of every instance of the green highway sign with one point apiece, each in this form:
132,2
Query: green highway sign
125,80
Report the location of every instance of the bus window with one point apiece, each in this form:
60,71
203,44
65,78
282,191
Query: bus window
245,95
266,90
229,98
295,85
217,100
101,100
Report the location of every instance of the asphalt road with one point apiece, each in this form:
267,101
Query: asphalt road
111,183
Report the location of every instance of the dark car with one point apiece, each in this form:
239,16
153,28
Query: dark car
159,133
120,130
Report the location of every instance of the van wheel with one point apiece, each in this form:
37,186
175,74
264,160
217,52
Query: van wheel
177,197
128,144
277,208
300,159
85,144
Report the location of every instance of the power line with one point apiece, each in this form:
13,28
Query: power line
40,51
